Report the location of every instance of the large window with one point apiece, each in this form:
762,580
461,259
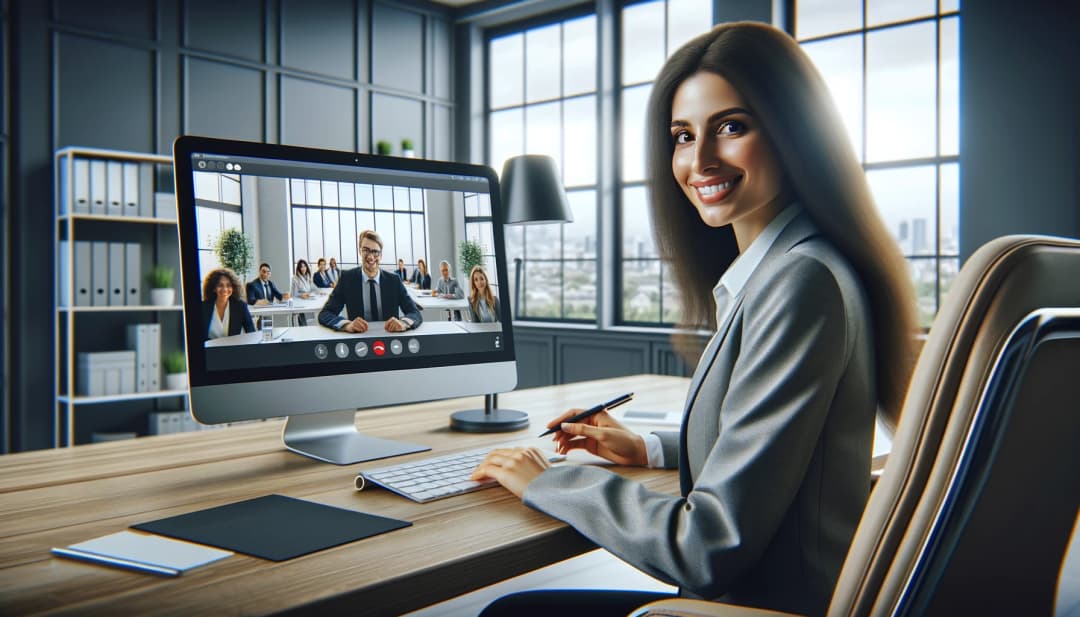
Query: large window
542,99
327,216
217,208
893,69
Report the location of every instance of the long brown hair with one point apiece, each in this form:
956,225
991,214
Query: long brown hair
474,296
788,96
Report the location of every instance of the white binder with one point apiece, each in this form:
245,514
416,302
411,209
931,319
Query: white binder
83,264
114,188
137,339
146,189
117,287
80,186
97,187
131,189
99,279
133,274
63,279
153,336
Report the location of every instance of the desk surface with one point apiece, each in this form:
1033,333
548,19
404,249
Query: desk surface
60,497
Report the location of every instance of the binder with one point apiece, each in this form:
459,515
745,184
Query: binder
146,189
83,287
63,278
114,188
117,287
131,189
80,186
133,274
99,278
137,339
97,187
153,355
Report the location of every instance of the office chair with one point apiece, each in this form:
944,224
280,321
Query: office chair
975,507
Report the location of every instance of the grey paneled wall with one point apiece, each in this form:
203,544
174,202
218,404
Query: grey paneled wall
134,74
5,196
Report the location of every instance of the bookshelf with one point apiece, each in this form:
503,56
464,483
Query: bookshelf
112,226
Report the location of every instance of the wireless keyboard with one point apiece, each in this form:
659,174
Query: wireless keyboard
433,478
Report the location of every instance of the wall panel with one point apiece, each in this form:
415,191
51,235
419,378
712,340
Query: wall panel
133,18
223,100
535,360
397,59
319,37
105,94
234,28
317,114
394,118
584,358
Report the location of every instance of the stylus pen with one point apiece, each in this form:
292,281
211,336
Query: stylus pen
592,411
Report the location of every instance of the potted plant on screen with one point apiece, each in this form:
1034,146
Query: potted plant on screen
407,148
175,370
383,147
235,252
471,255
160,279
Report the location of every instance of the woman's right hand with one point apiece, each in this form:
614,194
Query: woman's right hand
602,435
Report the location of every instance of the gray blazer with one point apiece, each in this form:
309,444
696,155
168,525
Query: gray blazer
774,451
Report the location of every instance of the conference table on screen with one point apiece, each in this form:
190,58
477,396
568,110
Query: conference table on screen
55,498
433,308
376,330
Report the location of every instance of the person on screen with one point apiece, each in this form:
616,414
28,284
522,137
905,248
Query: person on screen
263,291
333,272
483,304
420,275
224,314
322,275
370,294
761,207
448,287
400,272
302,286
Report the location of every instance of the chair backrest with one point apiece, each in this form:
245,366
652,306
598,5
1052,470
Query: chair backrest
939,532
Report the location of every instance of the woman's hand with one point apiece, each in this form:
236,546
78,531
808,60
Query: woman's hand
513,468
602,435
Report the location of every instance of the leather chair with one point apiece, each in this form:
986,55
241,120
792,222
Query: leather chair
974,510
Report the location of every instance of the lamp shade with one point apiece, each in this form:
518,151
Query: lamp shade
532,191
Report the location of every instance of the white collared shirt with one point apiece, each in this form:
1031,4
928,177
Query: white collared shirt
730,286
219,326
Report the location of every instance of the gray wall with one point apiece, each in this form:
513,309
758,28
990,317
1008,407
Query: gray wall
134,74
1019,120
446,227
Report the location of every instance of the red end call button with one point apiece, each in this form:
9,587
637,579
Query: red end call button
378,347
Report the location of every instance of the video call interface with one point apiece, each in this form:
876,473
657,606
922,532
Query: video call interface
290,211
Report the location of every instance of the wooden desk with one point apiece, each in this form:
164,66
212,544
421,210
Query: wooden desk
60,497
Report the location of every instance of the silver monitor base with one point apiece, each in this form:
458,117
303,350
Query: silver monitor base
332,438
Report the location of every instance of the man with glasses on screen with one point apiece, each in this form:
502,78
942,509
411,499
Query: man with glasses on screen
369,294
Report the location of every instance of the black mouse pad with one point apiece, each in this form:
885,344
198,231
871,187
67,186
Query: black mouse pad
273,527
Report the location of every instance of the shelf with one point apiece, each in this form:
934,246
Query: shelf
115,398
115,218
118,309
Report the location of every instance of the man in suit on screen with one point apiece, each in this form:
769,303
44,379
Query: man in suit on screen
369,294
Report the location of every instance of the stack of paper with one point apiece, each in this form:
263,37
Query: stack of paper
144,552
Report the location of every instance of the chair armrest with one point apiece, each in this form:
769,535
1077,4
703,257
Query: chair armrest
682,607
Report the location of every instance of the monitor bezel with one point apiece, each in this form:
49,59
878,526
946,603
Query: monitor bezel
183,149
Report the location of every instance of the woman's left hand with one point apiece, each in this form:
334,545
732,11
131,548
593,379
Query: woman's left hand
513,468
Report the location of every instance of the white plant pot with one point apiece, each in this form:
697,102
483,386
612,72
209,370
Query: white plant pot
162,297
176,381
409,154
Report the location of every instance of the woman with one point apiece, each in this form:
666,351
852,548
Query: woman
484,304
302,286
420,275
322,277
224,314
759,202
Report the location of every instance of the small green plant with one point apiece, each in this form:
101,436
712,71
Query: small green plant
383,147
471,255
160,277
406,144
235,251
174,362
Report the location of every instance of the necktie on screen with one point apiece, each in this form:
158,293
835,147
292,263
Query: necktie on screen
373,314
266,291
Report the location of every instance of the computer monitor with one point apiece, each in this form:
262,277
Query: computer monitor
291,203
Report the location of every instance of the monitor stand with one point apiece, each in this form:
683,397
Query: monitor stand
332,438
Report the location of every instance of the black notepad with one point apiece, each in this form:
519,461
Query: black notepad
273,527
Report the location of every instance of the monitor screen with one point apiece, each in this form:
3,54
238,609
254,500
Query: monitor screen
316,283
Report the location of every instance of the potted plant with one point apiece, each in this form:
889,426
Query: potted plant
407,148
382,147
471,255
160,279
175,370
235,251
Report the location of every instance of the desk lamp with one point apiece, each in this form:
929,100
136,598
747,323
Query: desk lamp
532,193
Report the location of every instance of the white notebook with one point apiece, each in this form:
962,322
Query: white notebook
144,552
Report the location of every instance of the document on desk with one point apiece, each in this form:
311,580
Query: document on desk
143,552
